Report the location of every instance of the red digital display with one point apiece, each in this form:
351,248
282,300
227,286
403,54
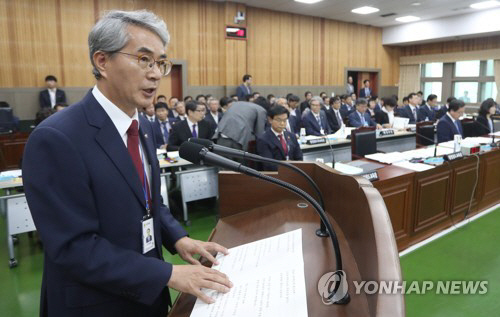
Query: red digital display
236,32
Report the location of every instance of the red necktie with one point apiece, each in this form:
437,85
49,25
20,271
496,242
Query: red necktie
133,149
283,144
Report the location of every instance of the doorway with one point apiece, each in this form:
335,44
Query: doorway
176,81
359,75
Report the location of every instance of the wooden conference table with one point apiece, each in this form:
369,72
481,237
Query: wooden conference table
421,204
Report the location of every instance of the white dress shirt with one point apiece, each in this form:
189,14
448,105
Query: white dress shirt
190,124
215,116
390,115
52,95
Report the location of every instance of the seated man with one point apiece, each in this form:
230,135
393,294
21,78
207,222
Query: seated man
213,116
315,121
333,114
52,95
426,111
360,118
180,109
347,107
449,124
276,142
411,110
163,124
192,127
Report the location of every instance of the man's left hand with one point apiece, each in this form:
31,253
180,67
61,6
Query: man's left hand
187,248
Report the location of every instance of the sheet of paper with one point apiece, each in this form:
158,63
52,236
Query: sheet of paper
268,278
496,133
11,173
418,167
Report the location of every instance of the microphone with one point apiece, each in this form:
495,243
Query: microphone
198,154
226,151
429,139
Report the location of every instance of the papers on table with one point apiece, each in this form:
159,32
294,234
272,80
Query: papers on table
418,167
347,169
11,174
496,134
268,278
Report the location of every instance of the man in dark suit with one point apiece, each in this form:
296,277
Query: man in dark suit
244,89
52,95
410,111
104,181
444,109
315,121
295,114
163,125
426,112
366,91
360,117
449,124
193,127
305,104
276,142
214,115
333,114
347,108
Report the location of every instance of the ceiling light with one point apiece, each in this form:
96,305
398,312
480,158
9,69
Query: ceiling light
408,18
416,4
308,1
365,10
485,5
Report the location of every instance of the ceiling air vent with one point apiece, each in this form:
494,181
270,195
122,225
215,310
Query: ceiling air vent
387,15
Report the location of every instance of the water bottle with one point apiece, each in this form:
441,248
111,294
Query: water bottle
303,135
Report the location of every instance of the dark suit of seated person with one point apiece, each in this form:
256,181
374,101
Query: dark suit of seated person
449,124
334,115
276,142
385,117
315,121
373,107
484,123
410,111
163,125
51,96
361,118
426,112
192,127
444,109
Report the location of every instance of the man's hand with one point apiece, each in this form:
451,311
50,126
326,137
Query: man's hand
187,247
191,278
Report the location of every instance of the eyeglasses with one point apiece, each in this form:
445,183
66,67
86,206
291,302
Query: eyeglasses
147,62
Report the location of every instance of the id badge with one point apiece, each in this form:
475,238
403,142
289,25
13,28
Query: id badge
148,235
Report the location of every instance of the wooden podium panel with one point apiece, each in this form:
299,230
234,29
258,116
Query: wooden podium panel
251,209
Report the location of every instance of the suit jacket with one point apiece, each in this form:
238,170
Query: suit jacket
242,92
362,93
345,112
44,98
89,220
425,112
159,134
268,145
181,133
441,112
303,106
297,120
332,119
407,113
208,118
355,120
242,122
446,129
482,125
312,125
294,124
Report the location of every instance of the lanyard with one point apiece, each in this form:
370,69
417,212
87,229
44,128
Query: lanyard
145,186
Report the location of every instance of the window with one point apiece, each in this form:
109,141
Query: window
466,91
467,68
489,68
433,70
489,90
435,88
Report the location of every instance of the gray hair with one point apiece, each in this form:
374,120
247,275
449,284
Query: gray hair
110,34
317,98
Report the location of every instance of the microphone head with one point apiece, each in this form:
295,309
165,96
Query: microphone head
192,152
204,142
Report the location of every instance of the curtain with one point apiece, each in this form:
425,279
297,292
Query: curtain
409,80
497,78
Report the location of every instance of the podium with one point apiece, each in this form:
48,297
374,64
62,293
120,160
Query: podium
251,209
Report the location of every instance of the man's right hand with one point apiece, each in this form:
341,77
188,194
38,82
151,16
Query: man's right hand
191,278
